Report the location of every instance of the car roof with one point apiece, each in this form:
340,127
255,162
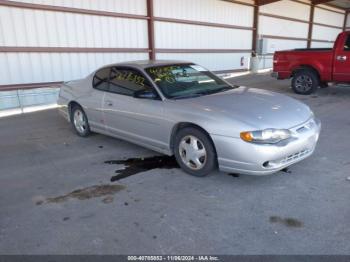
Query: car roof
142,64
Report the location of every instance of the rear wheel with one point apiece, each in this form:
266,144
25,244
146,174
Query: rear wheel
305,82
79,121
194,152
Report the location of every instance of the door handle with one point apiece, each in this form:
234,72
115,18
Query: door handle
109,103
341,58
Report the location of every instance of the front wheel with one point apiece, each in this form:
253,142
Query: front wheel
194,152
305,82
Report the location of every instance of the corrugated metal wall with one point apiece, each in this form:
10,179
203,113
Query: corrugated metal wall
26,27
185,36
38,28
122,6
29,27
321,32
34,67
289,30
273,27
214,11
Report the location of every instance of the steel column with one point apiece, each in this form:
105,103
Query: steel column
255,29
311,23
345,19
150,14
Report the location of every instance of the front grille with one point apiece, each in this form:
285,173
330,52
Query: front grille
295,156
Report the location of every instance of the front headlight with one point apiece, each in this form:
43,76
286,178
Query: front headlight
266,136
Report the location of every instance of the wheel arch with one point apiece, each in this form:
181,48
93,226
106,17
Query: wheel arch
177,127
71,104
306,67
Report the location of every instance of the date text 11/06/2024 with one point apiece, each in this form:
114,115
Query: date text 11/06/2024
173,258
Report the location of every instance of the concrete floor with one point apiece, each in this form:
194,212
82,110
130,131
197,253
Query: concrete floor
165,211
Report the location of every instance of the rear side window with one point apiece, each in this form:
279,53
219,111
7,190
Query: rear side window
347,44
101,78
126,81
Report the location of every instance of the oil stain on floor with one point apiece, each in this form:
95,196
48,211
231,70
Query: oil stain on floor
87,193
289,222
134,166
233,174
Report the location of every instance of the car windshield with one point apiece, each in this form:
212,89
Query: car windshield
186,80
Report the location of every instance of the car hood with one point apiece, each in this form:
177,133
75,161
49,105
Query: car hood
256,108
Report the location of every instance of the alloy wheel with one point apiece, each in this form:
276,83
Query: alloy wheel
303,83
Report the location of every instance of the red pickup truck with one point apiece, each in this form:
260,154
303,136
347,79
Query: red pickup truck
311,68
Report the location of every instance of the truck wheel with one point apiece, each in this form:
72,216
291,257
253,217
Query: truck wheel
305,82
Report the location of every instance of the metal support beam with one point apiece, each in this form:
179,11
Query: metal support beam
255,29
345,19
150,25
265,2
335,6
311,24
317,2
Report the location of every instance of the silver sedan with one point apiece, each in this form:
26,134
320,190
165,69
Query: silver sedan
180,108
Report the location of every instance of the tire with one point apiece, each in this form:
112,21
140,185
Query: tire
80,121
194,152
305,82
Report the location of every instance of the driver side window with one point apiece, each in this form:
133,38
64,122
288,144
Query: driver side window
125,81
347,44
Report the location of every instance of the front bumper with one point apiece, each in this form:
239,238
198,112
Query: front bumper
63,111
238,156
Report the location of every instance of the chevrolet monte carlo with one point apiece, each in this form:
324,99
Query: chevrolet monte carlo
180,108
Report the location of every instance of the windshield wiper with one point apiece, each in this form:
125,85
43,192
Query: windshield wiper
222,89
187,96
206,92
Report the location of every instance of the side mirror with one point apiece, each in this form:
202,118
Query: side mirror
145,94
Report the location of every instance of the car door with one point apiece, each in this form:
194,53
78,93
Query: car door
93,99
140,120
342,62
